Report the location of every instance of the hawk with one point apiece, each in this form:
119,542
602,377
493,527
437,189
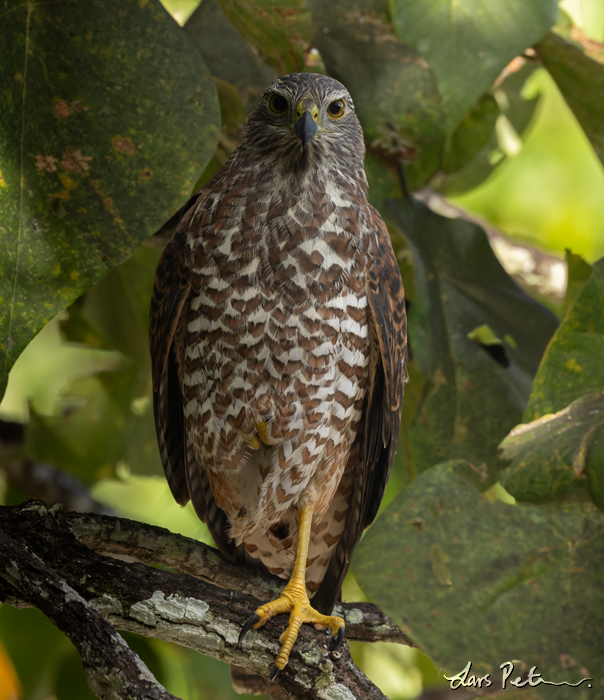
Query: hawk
278,343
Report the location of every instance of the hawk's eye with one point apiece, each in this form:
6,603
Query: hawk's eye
277,104
336,109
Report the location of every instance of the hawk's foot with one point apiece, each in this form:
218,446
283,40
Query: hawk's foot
293,600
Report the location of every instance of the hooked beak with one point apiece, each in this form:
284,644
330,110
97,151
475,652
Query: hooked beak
306,124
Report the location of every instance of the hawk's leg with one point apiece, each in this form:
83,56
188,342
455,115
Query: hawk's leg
294,600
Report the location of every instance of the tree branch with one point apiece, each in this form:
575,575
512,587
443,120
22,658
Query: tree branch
156,546
173,606
112,670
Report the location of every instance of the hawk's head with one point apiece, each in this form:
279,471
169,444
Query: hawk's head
306,119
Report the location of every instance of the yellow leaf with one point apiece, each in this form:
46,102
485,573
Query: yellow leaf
10,688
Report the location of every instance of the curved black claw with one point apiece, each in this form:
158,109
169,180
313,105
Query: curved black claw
274,673
339,638
248,626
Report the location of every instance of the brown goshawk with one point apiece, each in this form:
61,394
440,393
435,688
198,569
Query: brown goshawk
278,342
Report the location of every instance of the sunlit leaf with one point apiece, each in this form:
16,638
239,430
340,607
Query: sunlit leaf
581,82
468,44
476,392
113,314
108,118
93,434
394,90
470,580
473,150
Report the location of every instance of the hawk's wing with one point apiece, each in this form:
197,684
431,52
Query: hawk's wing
167,328
382,411
167,323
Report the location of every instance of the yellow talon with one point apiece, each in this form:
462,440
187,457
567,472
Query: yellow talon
259,435
294,600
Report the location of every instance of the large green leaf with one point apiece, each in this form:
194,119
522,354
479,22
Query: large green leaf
467,44
470,580
551,453
394,90
107,118
574,362
476,335
226,54
580,79
280,30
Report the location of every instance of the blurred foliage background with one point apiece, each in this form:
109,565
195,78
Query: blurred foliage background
488,129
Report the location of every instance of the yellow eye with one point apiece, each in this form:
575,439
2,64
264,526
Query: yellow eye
336,109
277,104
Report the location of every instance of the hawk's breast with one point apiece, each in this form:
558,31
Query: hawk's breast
276,358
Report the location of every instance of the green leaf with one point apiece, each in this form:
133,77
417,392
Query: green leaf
474,150
70,681
93,434
551,455
116,309
280,30
108,118
35,646
394,90
226,54
489,582
595,471
574,362
472,134
475,392
113,314
581,82
467,44
578,273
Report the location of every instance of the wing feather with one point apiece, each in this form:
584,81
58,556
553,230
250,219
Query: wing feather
382,410
167,329
166,323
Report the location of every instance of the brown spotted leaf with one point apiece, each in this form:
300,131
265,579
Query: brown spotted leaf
108,118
